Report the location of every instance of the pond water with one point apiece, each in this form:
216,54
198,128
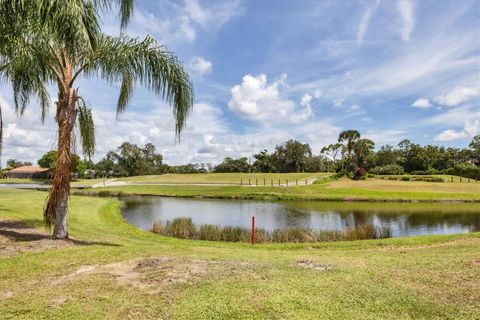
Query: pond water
24,185
404,219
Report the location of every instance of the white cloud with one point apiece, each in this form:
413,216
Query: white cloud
470,129
455,116
176,27
200,65
354,107
405,7
422,103
364,22
355,110
215,15
305,110
318,94
458,96
175,22
391,136
137,138
337,103
257,100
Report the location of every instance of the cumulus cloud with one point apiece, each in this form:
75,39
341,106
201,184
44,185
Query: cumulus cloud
422,103
458,96
406,10
200,65
256,99
470,129
305,110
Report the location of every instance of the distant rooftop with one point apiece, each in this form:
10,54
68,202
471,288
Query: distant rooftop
28,169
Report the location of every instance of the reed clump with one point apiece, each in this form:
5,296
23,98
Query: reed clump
184,228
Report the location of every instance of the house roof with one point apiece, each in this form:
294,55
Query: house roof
28,169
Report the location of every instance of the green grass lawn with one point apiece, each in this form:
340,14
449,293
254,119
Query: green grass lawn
118,272
23,181
226,178
342,189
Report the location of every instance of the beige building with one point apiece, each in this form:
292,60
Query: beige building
29,172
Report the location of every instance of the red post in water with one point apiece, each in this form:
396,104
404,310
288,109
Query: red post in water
253,230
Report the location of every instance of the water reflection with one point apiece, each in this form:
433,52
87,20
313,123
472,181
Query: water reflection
404,219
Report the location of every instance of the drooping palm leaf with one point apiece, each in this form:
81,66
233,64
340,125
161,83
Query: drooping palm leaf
131,61
87,129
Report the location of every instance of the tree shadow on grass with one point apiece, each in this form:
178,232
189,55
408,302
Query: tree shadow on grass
16,231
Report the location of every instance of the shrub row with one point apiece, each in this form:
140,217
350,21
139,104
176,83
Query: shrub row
388,169
415,178
465,170
184,228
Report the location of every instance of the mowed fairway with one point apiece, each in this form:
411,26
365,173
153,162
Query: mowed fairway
416,186
115,271
328,189
226,178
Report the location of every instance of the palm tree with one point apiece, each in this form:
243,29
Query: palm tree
61,59
361,149
350,137
22,21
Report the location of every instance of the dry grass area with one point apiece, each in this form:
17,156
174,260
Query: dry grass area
394,185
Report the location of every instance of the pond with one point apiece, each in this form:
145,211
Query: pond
24,185
403,219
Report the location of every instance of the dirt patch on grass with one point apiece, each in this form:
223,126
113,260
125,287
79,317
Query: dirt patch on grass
16,237
152,274
309,264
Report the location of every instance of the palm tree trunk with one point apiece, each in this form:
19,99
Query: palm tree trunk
57,204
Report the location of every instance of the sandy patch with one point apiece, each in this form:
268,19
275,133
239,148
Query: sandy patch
152,274
309,264
16,237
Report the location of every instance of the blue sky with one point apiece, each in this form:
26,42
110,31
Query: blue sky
268,71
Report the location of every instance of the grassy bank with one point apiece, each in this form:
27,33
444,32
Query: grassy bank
114,270
23,181
341,190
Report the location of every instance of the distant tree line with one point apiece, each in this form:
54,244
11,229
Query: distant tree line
350,155
353,155
291,156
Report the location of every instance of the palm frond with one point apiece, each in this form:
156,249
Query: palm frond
132,61
87,129
125,9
